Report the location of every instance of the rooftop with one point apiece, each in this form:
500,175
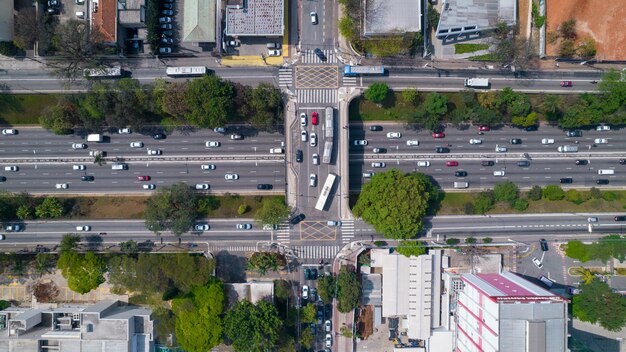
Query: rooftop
459,17
255,18
6,20
199,21
104,19
392,16
508,286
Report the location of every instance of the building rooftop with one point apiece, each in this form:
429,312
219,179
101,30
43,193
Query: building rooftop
507,286
250,291
199,21
461,17
392,16
104,19
255,18
6,21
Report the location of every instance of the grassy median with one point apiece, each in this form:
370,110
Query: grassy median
24,109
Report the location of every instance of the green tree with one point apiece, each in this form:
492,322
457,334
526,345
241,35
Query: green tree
613,88
597,303
535,193
525,121
433,17
24,212
307,315
411,248
587,48
242,209
171,208
520,204
272,211
69,241
59,118
453,241
553,192
487,240
349,290
347,27
345,332
50,208
484,202
567,48
505,192
394,203
264,105
264,261
326,287
377,92
436,104
410,96
129,247
551,106
470,240
252,328
209,100
83,272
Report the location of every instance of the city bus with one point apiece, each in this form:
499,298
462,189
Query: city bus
186,71
328,152
330,122
104,72
328,186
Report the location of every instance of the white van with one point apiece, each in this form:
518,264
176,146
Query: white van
120,166
277,151
498,173
606,172
567,149
461,184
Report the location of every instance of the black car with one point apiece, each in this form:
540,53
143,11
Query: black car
622,161
487,163
531,128
582,162
602,181
313,274
516,141
87,178
320,54
313,329
313,294
296,219
620,218
2,178
264,186
307,274
299,155
544,244
320,315
460,173
442,150
376,128
328,311
158,136
523,163
567,180
575,133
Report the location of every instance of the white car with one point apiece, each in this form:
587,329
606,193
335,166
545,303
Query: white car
312,180
601,141
136,144
313,17
316,159
412,142
79,145
423,163
149,186
274,52
202,227
78,167
327,326
303,136
328,341
394,135
236,137
124,131
368,174
500,149
305,292
11,168
313,140
547,141
378,165
592,219
243,226
9,131
537,263
212,144
154,152
499,173
62,185
83,228
231,177
599,128
476,141
302,119
202,186
1,237
360,142
207,167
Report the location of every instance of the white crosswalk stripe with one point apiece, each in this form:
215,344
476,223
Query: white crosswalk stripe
320,96
347,231
315,252
285,77
231,249
349,81
282,234
309,57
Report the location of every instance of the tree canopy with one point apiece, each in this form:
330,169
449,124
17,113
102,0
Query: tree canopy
606,248
210,101
597,303
273,211
172,208
394,203
349,290
411,248
83,272
326,287
252,328
377,92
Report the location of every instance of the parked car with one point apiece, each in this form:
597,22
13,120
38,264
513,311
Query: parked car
314,118
274,52
484,128
603,128
165,50
165,20
167,12
167,40
166,26
299,156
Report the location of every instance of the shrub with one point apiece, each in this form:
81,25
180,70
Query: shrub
487,240
595,193
453,241
380,243
242,209
535,193
609,196
520,204
505,192
484,202
410,96
470,240
553,192
9,49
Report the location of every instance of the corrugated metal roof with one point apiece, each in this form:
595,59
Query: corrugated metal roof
199,21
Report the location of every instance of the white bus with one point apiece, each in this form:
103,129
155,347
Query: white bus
186,71
103,72
328,152
323,198
330,121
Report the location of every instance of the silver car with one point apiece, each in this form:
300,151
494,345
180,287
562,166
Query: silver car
244,226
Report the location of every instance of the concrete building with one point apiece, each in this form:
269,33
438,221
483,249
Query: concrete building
250,291
503,312
255,18
104,326
6,20
199,21
469,19
385,17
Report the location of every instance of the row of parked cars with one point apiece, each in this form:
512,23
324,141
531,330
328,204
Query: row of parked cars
166,26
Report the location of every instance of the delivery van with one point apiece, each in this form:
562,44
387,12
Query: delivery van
606,172
461,184
120,166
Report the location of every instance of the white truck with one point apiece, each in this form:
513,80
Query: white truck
477,82
96,137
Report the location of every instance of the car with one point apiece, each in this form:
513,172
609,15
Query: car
270,227
165,20
602,181
423,163
313,294
394,135
167,12
221,130
620,218
143,178
487,163
452,163
523,163
500,149
165,50
96,153
302,119
83,228
243,226
378,165
412,143
307,274
167,33
202,227
207,167
9,131
136,144
516,141
442,150
439,135
460,174
232,43
582,162
1,237
62,186
566,180
264,186
475,141
276,52
531,128
79,167
167,40
320,54
13,168
601,141
155,152
316,159
124,131
54,3
328,341
313,16
327,326
368,174
313,274
305,292
315,118
566,83
499,173
297,219
158,136
603,128
79,145
544,244
484,128
166,26
313,328
299,156
547,141
622,161
212,144
13,228
379,150
313,139
312,180
376,128
360,142
149,186
236,137
592,219
231,177
87,178
303,136
54,11
202,186
574,133
320,315
537,263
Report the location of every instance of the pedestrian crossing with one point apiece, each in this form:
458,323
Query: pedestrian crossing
282,234
232,249
349,81
347,231
285,77
317,96
315,252
309,57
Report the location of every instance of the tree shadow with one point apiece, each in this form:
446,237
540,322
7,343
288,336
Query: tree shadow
229,267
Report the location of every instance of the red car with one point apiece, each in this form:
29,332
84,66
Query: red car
452,163
439,135
314,118
566,83
484,128
143,178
